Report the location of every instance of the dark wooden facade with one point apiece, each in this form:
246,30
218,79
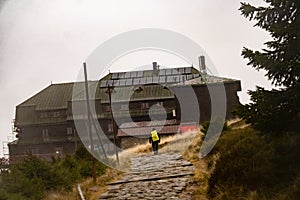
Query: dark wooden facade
45,122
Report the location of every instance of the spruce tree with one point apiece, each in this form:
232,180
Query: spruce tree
277,110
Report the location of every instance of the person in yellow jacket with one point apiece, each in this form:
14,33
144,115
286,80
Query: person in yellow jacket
154,139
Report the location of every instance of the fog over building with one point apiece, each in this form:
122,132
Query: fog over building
47,41
47,124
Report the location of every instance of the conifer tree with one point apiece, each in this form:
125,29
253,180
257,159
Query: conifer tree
277,110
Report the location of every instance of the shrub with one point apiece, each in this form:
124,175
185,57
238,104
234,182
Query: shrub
214,125
31,178
251,162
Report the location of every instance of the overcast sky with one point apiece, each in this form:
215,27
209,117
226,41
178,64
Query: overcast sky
44,41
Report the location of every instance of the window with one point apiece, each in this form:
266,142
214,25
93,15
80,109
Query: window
162,72
103,83
124,107
122,82
110,82
121,75
136,81
43,115
106,108
34,151
110,128
145,105
70,137
174,112
190,76
140,74
116,83
128,81
162,79
69,131
176,78
181,70
188,70
155,79
133,74
175,71
114,76
143,81
168,71
127,74
149,80
45,134
170,79
160,103
58,150
56,114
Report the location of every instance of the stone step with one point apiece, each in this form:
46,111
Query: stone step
151,178
163,176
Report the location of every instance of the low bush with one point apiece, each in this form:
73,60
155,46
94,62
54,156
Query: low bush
31,178
255,165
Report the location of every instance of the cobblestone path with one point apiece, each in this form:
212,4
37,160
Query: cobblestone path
163,176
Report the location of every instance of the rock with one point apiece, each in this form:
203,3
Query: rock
94,189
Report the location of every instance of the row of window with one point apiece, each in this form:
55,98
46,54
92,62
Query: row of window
46,138
162,72
70,132
36,151
56,114
144,105
52,114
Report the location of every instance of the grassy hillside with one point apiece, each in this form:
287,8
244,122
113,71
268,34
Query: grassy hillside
252,165
245,164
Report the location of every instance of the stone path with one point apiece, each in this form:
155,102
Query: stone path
163,176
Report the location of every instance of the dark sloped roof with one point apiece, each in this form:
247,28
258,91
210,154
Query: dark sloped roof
127,93
55,96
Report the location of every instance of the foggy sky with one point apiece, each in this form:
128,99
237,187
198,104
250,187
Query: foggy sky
44,41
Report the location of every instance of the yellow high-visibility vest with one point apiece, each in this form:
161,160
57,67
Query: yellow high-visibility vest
154,135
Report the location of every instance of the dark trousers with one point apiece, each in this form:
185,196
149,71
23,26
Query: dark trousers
155,147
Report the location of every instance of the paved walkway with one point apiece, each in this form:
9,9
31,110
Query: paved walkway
163,176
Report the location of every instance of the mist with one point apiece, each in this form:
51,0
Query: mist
47,41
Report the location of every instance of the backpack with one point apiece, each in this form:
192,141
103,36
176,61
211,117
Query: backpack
154,135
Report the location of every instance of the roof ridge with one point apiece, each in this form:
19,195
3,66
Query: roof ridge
174,67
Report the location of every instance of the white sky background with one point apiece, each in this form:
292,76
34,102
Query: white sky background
44,41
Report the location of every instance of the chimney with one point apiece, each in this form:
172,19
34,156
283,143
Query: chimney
202,64
155,69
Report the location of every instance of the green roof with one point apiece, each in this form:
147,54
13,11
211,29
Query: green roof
124,94
55,96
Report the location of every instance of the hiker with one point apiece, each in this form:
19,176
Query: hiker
154,139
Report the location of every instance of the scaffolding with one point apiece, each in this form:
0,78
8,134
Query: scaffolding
10,138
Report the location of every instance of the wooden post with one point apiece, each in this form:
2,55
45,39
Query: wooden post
89,123
109,88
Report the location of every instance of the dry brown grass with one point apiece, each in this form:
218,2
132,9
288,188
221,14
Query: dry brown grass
90,190
203,168
177,143
93,191
188,144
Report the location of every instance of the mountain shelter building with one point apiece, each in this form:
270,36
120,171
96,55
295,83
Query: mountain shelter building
143,99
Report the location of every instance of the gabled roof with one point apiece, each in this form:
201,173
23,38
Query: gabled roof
56,96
